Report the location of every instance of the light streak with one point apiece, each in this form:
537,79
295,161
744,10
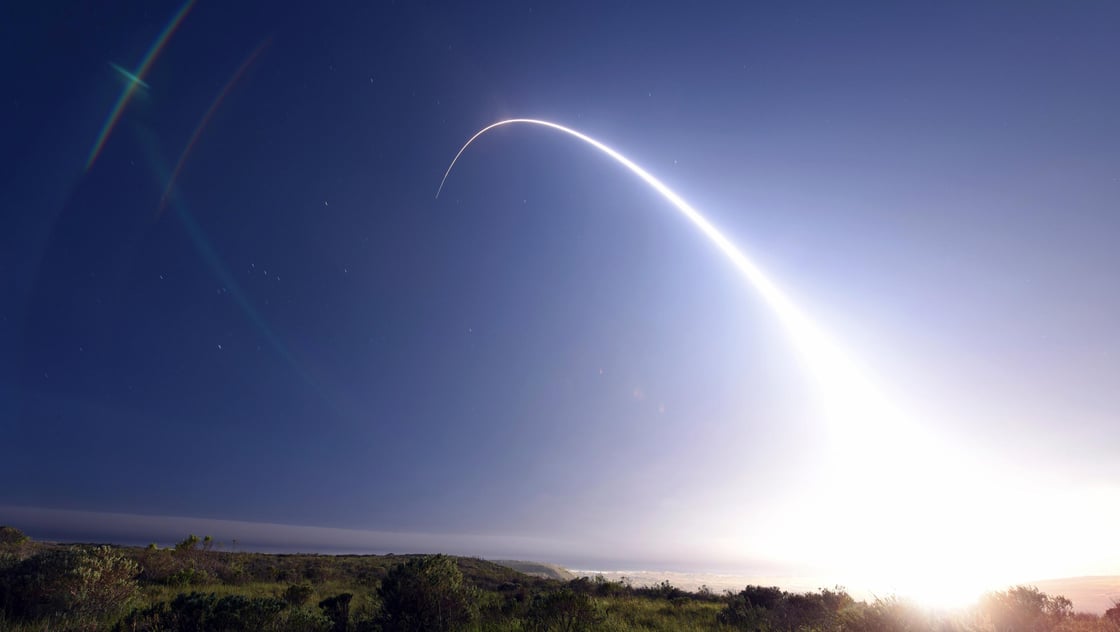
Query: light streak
876,452
205,120
844,382
129,76
130,88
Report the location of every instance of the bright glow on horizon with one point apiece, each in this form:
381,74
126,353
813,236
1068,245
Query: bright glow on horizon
895,506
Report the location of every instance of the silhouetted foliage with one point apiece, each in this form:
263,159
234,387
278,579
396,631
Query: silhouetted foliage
199,612
11,536
663,590
189,543
601,586
426,594
751,608
886,615
1025,609
337,609
298,594
1113,613
306,620
76,583
771,608
563,610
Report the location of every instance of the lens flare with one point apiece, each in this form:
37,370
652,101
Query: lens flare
208,252
138,79
128,76
205,120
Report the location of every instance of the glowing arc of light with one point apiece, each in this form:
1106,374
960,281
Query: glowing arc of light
925,537
873,446
130,88
214,105
834,369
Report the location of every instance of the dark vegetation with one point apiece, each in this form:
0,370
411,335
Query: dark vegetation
197,587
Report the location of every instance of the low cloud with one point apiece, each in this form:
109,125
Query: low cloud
118,528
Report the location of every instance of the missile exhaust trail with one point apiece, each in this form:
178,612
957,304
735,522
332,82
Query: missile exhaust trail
874,445
878,449
842,378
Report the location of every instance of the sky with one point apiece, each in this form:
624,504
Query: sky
231,295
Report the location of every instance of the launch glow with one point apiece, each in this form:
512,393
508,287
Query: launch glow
912,545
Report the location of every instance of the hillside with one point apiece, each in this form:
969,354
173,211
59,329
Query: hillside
538,569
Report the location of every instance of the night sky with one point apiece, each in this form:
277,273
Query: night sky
248,305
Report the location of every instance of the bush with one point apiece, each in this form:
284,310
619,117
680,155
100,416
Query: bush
765,608
426,594
302,619
11,536
237,612
886,615
298,594
751,608
1025,609
1113,613
564,610
337,609
199,612
75,584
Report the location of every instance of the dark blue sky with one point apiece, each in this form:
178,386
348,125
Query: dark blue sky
306,336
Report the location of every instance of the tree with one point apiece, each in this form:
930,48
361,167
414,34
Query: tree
11,536
189,543
426,594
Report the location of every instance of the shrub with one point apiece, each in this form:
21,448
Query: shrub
302,619
337,609
11,536
886,615
1113,613
751,608
236,612
426,594
564,610
199,612
765,608
75,584
298,594
1024,609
